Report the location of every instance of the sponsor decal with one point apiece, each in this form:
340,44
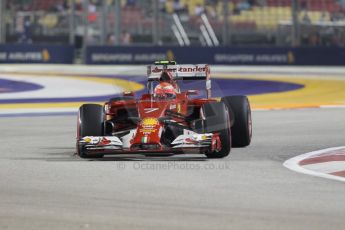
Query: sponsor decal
149,122
156,70
191,138
126,57
150,110
87,140
183,69
144,57
279,58
101,141
104,141
173,106
43,56
179,108
97,140
192,69
148,125
147,130
118,57
190,141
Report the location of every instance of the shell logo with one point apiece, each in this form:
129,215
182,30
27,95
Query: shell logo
87,139
150,121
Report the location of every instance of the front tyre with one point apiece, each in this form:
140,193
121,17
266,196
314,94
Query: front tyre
91,117
217,121
241,120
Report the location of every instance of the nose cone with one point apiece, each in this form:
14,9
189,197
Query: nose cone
152,108
149,129
148,132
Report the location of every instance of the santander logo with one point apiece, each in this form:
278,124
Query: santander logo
156,70
184,69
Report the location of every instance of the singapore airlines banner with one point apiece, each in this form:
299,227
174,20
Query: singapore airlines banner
217,55
49,54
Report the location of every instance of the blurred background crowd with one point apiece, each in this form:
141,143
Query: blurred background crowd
175,22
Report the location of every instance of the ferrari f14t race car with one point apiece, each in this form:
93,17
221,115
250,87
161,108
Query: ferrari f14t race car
167,119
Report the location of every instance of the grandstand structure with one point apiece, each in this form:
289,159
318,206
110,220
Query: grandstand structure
159,22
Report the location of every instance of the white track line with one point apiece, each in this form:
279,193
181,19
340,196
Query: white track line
60,87
17,111
293,165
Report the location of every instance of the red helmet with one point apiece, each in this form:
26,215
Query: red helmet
165,91
166,76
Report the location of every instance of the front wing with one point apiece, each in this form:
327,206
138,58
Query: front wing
186,143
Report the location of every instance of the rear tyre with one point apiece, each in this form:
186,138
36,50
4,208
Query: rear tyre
91,117
217,120
241,120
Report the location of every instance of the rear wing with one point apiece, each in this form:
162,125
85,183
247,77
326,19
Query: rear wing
179,72
182,72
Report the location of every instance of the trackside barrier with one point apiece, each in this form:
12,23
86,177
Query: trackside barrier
217,55
43,54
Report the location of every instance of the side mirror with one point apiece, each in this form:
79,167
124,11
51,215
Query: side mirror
128,93
192,92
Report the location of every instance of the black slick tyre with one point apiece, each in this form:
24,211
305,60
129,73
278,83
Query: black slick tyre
217,121
241,120
91,117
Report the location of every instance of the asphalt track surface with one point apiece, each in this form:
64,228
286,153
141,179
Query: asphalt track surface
43,185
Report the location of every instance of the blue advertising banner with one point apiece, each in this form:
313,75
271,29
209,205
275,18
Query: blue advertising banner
217,55
49,54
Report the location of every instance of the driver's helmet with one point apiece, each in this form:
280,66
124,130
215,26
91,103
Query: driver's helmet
167,77
165,91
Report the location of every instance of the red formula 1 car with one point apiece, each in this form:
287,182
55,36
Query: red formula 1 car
166,120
